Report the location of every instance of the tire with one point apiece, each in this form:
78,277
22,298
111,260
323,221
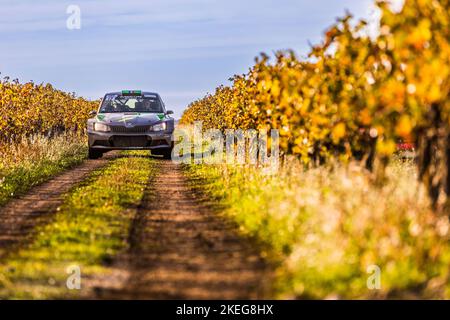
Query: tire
94,154
166,153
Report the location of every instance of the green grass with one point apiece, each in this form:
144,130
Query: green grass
324,227
89,229
36,160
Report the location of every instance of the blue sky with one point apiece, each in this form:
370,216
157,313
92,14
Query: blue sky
179,48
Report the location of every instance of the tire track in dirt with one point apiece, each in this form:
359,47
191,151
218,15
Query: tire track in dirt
180,249
20,216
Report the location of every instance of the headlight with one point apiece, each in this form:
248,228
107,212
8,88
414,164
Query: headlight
101,127
159,127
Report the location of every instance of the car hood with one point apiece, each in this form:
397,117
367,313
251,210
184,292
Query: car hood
131,118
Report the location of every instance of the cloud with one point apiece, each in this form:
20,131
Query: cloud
45,15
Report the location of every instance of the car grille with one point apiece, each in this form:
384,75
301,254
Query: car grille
123,129
129,141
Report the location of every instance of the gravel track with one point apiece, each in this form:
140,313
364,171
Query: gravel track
178,246
181,249
20,216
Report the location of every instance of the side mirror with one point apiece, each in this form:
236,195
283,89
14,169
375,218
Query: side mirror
169,112
93,113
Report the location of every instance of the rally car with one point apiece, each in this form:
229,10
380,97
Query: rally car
131,120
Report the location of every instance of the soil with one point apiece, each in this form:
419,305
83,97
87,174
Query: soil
20,216
180,248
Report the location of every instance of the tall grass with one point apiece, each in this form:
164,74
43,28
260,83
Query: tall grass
33,160
325,227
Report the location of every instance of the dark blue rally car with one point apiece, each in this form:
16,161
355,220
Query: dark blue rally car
131,120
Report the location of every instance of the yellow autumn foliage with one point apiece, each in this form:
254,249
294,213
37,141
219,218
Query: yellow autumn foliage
29,108
384,88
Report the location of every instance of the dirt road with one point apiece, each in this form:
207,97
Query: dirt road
20,216
179,247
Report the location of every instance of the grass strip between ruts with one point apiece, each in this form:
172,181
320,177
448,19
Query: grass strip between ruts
88,230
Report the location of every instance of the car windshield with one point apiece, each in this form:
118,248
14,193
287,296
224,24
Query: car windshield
113,103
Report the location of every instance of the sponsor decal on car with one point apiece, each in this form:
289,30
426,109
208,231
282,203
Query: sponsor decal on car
126,118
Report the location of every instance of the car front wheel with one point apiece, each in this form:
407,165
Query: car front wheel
166,153
94,154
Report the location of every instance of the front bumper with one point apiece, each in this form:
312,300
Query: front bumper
129,141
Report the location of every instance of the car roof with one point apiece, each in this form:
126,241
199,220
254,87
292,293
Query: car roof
143,92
